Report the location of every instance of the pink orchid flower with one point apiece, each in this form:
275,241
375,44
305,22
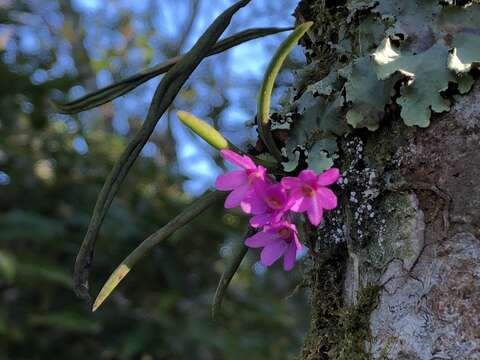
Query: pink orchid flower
309,193
274,206
277,240
242,182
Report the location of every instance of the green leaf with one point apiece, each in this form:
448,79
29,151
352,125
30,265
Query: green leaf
318,160
122,87
465,54
326,86
321,118
164,96
41,271
465,83
153,240
265,95
227,275
66,321
292,163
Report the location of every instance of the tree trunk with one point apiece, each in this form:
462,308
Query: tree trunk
396,271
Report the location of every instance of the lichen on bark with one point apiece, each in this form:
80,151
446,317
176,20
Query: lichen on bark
408,224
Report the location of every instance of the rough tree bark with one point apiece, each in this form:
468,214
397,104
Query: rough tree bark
396,274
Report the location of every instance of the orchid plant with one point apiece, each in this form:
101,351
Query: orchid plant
273,205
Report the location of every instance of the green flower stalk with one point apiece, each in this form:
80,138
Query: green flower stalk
263,110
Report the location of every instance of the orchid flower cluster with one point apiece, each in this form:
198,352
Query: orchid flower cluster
271,204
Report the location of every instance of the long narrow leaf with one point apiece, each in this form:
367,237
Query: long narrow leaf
263,111
164,233
166,92
122,87
227,275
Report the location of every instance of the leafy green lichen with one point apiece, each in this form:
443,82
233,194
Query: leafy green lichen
427,77
436,45
392,59
367,95
452,49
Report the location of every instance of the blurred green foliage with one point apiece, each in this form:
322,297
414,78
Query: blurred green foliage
48,185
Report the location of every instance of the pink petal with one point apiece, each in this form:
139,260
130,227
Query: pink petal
294,196
314,211
276,191
231,180
249,162
272,252
253,204
275,228
297,242
276,216
260,184
289,257
236,159
328,177
260,220
298,202
308,176
260,239
327,198
289,182
235,197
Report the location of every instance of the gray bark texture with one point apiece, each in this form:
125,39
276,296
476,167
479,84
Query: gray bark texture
395,271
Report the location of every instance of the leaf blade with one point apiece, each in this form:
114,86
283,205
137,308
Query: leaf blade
113,91
264,98
228,274
186,216
165,93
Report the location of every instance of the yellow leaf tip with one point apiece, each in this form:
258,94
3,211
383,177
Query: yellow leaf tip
96,304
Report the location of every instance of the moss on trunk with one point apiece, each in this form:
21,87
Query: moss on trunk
406,222
338,331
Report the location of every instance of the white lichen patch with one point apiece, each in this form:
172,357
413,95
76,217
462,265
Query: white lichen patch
431,312
362,184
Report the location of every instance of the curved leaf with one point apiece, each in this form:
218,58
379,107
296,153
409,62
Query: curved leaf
166,92
122,87
263,110
228,274
164,233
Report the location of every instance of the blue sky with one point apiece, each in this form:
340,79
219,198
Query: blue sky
245,65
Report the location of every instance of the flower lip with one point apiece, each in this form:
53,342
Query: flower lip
286,230
275,197
274,202
308,191
285,233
